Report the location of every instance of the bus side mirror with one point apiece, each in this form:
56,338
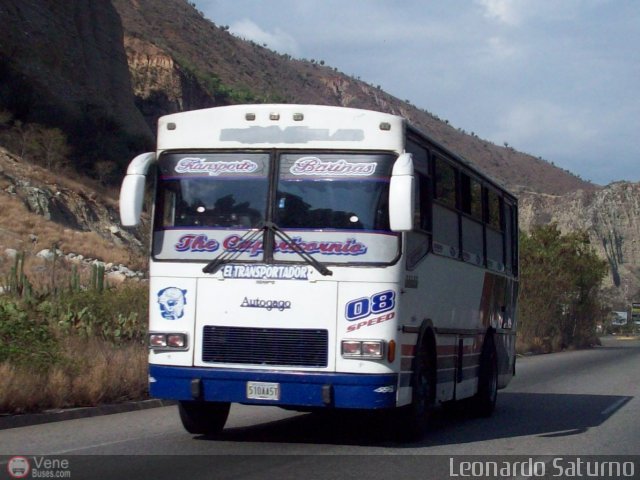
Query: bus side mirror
401,195
132,190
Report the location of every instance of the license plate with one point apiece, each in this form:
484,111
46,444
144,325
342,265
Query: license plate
263,391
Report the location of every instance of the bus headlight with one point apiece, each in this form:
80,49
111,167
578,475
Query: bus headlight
168,341
176,340
157,340
372,349
351,348
363,349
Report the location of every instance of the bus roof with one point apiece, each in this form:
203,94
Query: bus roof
281,126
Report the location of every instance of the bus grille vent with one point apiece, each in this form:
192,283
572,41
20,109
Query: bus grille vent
265,346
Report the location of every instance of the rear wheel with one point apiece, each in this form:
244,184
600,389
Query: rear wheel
484,402
203,417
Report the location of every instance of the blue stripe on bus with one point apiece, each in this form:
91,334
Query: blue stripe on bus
302,389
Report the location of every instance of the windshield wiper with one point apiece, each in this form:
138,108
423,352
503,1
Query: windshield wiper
278,232
227,256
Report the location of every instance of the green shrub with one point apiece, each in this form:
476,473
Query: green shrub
116,315
34,322
25,339
65,342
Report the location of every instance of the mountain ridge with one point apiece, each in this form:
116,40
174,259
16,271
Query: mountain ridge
117,65
216,68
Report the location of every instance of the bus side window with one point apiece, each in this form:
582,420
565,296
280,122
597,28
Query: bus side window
445,183
422,219
495,231
511,240
446,240
418,241
471,220
494,212
421,165
471,196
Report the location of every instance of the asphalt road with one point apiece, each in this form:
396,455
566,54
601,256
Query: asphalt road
567,404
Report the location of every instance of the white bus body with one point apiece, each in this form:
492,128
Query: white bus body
322,257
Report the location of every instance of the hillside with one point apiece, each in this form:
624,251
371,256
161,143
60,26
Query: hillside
104,71
63,64
179,61
98,70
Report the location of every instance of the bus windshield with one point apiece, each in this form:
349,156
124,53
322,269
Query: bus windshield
205,190
334,206
333,191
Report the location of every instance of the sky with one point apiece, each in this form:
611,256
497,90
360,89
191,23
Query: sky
557,79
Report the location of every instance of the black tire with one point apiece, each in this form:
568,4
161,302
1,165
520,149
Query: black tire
205,418
414,418
484,402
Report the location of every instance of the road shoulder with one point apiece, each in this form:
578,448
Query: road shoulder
28,419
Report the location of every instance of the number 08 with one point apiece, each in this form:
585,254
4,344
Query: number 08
363,307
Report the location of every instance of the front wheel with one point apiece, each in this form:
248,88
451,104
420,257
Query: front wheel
414,418
203,417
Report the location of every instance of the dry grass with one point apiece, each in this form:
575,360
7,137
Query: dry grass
24,230
63,177
96,373
17,224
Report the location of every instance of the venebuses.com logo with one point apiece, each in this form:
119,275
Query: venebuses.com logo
38,467
18,467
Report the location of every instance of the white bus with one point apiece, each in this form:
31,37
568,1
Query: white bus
316,257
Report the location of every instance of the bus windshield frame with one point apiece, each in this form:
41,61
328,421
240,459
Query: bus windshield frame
334,205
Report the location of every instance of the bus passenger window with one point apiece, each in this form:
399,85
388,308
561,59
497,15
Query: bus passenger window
471,199
445,191
511,243
472,230
422,218
494,210
495,234
420,156
418,241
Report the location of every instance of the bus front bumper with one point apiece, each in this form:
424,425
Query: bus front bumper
285,389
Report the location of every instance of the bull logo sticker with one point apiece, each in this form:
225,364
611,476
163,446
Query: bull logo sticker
172,301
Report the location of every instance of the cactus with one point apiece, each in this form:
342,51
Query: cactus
97,277
17,282
74,281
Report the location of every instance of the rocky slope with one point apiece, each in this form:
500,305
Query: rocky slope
40,210
611,216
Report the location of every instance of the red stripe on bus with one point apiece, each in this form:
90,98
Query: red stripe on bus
408,350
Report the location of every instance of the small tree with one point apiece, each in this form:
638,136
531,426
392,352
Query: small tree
25,134
53,146
105,170
560,289
5,118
